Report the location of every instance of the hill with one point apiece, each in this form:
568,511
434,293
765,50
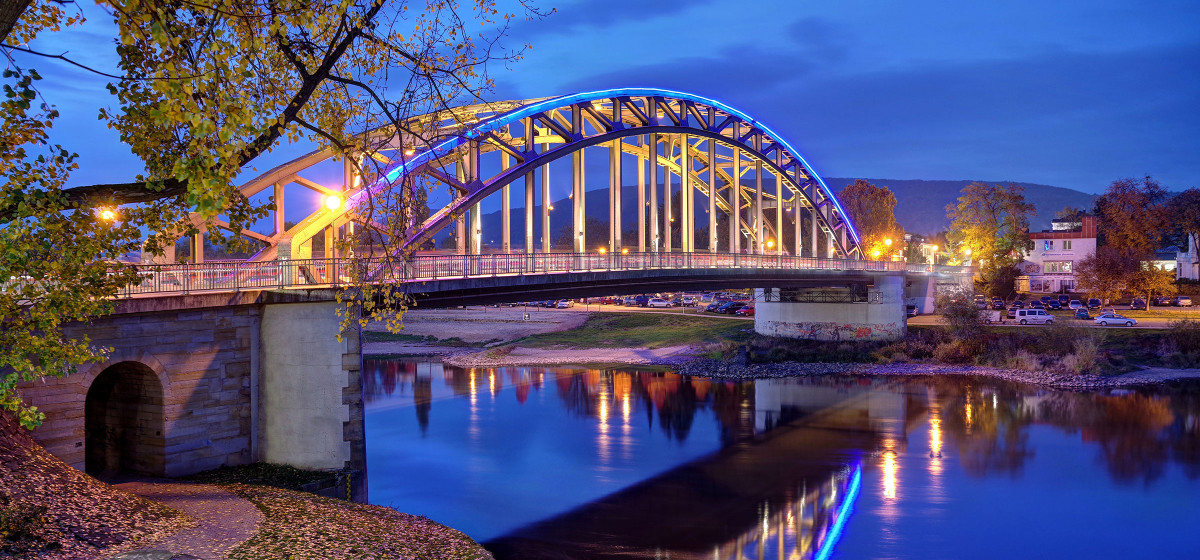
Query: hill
920,206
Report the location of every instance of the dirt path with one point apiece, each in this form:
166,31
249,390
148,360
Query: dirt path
223,520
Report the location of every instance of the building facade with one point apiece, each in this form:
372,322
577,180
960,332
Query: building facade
1050,266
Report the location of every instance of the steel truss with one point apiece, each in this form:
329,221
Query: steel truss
710,155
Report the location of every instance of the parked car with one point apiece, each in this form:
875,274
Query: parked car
1037,305
746,311
689,301
1045,299
712,307
1106,319
1137,304
997,303
1034,317
1082,313
1012,312
1160,301
1018,303
730,307
1053,304
657,302
1075,304
1093,303
911,310
1183,301
564,304
981,302
1063,299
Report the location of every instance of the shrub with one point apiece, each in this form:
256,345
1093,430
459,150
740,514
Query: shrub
1087,352
1186,334
955,352
1024,360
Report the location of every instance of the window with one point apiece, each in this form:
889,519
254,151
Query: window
1066,245
1057,267
1048,245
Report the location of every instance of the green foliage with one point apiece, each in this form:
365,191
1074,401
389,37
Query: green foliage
993,222
964,321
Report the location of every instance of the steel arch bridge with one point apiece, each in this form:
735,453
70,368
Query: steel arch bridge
718,162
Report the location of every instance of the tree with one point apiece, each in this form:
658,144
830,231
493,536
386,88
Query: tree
1183,211
1105,273
203,89
1149,280
1133,219
1070,213
873,211
992,221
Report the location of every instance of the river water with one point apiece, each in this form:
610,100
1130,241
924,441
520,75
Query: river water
565,463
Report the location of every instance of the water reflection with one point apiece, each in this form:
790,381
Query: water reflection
589,463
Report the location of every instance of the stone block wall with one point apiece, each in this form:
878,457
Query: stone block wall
203,360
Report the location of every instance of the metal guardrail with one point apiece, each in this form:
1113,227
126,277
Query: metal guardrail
239,275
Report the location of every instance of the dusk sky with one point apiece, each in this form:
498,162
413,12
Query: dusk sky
1069,93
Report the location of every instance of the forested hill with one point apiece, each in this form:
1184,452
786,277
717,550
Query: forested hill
921,205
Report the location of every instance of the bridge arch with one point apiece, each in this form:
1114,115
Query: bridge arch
124,423
702,142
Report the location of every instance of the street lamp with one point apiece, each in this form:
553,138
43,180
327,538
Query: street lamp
888,241
333,202
108,214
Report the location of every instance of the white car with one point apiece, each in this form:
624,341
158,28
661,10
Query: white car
1033,316
1075,304
565,303
658,302
1106,319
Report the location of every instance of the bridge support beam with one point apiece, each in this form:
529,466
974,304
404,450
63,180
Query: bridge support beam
802,313
310,408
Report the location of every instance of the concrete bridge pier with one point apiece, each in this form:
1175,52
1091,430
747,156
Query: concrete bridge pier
309,394
854,311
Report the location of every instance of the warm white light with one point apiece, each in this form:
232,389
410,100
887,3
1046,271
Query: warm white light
603,250
107,214
888,242
770,243
967,252
333,202
625,251
875,254
409,152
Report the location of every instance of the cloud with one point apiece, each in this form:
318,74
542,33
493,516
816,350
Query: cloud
592,14
1062,118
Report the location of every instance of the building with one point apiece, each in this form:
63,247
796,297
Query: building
1050,265
1184,262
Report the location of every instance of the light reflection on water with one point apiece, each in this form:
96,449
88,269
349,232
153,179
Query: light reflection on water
576,463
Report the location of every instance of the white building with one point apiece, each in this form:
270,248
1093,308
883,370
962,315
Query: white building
1050,265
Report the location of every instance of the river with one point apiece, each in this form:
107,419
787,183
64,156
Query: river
569,463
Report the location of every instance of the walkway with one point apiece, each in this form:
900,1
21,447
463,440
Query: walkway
223,521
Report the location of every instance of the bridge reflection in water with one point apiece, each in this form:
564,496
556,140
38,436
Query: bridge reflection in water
780,484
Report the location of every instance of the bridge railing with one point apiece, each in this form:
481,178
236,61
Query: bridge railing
239,275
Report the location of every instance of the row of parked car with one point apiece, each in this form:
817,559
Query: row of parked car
732,307
1064,301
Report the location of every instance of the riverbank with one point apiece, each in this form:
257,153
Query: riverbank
701,346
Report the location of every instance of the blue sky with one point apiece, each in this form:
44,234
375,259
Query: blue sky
1067,93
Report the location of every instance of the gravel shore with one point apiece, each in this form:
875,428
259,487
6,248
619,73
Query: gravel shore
682,359
727,370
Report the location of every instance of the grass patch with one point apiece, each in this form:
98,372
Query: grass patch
642,330
300,526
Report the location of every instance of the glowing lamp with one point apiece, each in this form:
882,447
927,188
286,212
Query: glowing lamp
107,214
603,250
333,202
875,253
888,242
409,152
625,251
770,243
967,252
